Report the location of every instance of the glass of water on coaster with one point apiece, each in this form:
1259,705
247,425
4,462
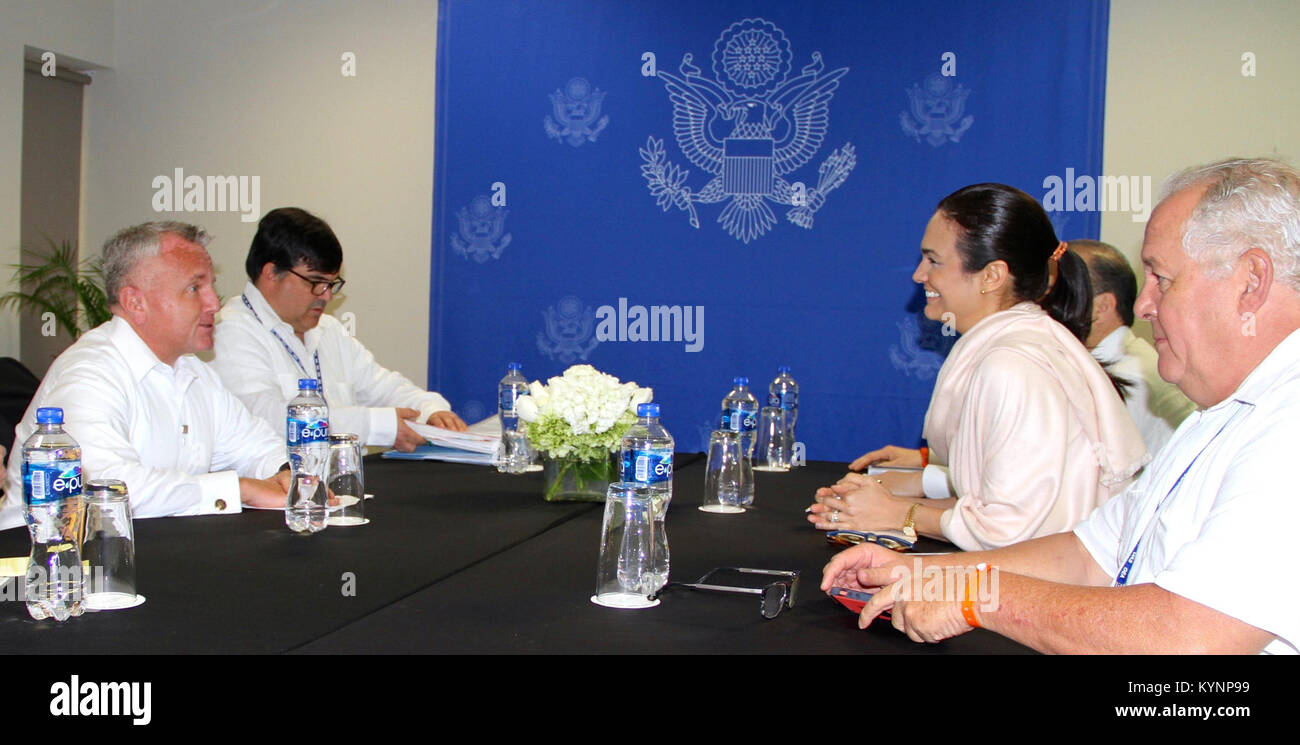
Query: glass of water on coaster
109,547
346,481
726,474
625,570
772,449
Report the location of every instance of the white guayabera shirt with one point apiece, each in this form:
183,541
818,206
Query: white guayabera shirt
253,359
1224,536
174,434
1157,407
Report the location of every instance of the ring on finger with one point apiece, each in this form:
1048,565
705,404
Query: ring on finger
835,516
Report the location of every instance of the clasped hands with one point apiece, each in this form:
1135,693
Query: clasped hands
870,502
858,502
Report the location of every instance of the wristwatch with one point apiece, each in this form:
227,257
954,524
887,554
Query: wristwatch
909,525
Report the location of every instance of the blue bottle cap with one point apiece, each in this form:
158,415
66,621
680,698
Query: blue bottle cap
647,410
742,380
49,415
514,366
310,384
783,369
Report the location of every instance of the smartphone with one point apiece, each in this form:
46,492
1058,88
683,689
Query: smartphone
854,600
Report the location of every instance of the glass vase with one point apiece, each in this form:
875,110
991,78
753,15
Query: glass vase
577,480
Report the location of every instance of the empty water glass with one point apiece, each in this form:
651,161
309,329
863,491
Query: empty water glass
516,454
109,547
346,481
772,450
728,480
624,572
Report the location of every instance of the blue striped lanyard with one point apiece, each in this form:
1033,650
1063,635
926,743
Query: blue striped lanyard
285,344
1121,579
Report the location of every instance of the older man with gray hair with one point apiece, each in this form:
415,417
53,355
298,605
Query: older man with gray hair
1196,556
143,408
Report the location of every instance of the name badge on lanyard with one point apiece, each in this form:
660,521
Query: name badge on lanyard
1121,578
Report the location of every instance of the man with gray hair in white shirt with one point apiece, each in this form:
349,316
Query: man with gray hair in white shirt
143,408
1196,556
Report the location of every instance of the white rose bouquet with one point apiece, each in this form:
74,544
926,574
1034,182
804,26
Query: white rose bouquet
579,418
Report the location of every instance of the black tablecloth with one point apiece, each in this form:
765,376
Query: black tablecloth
459,558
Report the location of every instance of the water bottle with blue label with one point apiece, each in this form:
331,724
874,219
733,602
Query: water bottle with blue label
512,386
52,499
647,458
740,414
783,393
515,454
308,439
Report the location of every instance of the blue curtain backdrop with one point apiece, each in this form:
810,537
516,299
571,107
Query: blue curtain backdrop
755,176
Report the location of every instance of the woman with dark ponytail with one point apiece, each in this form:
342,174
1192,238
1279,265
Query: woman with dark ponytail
1032,432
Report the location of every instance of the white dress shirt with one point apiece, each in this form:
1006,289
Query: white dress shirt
1158,407
177,438
254,361
1224,535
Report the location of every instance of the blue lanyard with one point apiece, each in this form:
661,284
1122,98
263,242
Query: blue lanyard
1121,579
286,346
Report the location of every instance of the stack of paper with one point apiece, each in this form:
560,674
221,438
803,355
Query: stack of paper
478,445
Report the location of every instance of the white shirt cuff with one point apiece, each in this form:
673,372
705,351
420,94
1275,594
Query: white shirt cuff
218,493
383,427
935,482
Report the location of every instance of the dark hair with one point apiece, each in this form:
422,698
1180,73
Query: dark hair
1000,222
1109,272
288,236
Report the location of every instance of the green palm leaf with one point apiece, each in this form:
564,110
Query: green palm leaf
55,283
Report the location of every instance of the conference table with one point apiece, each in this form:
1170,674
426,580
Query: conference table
461,559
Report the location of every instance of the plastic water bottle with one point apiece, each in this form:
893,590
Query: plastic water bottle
740,414
308,438
784,393
512,386
52,497
647,458
515,455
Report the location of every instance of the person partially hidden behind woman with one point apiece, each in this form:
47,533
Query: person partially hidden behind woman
1030,426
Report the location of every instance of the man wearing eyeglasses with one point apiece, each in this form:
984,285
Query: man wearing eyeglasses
277,331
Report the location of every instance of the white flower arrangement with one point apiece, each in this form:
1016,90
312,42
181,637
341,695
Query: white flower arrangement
582,414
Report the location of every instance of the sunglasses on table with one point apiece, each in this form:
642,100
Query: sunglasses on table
772,597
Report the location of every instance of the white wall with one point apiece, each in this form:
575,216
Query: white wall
255,88
1176,96
80,33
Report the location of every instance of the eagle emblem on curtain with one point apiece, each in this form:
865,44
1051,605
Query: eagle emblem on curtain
751,126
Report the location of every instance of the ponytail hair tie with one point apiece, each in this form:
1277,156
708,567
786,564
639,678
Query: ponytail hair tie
1060,249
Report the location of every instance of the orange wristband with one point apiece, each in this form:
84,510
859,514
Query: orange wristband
968,605
925,457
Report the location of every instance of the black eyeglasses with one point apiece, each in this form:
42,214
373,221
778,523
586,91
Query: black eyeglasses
318,285
773,597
